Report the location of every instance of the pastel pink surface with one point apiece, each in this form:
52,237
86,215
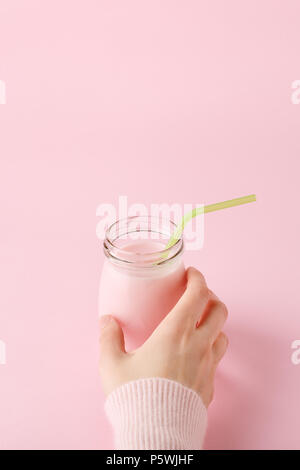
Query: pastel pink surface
196,97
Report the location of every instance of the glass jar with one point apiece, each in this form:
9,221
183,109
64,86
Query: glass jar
141,281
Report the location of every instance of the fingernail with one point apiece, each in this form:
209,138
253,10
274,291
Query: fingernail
104,321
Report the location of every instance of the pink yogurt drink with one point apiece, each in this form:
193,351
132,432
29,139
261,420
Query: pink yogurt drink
140,281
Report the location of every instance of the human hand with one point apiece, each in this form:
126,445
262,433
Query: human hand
186,347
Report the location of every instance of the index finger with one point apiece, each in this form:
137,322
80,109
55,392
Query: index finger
213,318
193,301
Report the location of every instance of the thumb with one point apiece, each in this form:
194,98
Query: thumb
112,345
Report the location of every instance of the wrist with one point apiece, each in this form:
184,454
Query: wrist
156,413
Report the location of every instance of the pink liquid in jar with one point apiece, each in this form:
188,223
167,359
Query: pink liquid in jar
140,295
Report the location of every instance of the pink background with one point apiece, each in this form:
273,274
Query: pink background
162,101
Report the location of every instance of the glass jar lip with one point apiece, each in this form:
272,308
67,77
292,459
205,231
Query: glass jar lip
175,249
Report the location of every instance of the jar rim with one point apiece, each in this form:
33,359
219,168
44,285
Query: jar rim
163,255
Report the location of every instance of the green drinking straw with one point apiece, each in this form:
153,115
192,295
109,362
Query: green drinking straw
204,209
